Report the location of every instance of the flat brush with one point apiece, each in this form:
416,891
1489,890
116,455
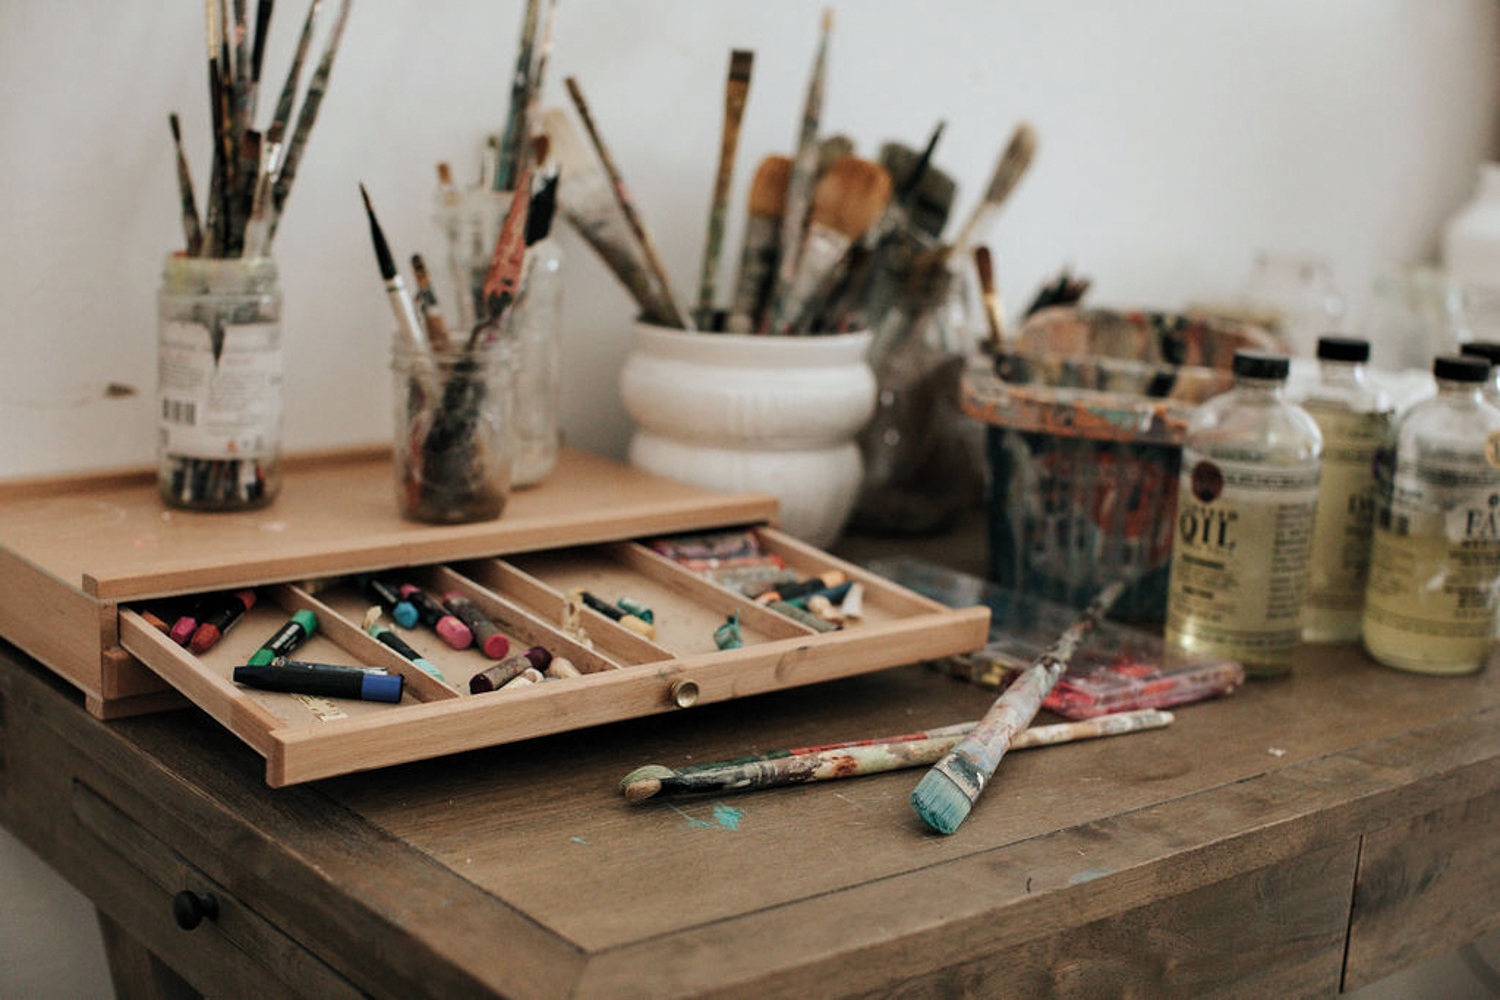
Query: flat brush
946,794
590,206
677,317
191,229
849,199
408,327
736,90
860,757
758,255
1012,166
990,296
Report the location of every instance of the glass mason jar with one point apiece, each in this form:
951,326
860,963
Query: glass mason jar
219,370
454,430
470,222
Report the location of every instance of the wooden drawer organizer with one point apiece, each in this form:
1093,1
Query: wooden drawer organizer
78,553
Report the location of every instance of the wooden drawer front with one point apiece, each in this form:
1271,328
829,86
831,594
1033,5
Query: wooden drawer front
624,676
235,954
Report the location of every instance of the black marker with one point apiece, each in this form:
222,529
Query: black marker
323,679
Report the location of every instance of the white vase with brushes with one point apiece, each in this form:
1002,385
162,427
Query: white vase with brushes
741,412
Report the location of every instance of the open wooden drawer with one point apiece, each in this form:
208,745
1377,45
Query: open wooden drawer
623,674
80,554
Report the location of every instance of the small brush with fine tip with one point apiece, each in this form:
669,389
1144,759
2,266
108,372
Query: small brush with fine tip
947,793
408,327
677,316
736,90
860,757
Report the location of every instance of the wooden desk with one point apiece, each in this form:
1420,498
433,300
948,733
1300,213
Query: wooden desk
1304,835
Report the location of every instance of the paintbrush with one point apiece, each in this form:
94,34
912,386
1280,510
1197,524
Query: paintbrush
859,757
190,227
538,80
513,139
306,115
676,316
281,115
591,207
408,327
258,56
736,90
990,296
803,178
214,207
758,255
946,794
502,281
849,198
427,306
1012,166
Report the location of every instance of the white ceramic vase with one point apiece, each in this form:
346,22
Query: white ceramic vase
737,413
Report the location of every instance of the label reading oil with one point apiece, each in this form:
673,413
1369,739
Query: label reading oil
1239,561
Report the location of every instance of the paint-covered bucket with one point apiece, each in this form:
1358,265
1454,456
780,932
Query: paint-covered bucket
1086,418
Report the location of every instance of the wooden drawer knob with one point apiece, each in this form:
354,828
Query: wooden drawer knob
190,909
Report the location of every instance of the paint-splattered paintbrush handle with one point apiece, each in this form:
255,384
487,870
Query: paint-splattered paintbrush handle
822,251
306,116
736,90
799,191
513,139
612,242
850,760
757,271
973,761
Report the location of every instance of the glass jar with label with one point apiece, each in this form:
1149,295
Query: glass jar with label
219,370
1355,418
1245,508
1430,603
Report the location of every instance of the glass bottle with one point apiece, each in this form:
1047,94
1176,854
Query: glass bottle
1489,350
1245,508
1354,418
1296,296
1435,558
219,371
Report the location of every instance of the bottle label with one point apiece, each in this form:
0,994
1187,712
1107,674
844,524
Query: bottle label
1435,559
229,407
1346,506
1239,561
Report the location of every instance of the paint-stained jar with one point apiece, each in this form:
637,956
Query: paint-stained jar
219,373
471,222
454,414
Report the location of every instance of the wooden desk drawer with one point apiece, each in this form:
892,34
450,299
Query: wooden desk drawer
236,953
624,675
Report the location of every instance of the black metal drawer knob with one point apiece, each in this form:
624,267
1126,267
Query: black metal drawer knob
190,909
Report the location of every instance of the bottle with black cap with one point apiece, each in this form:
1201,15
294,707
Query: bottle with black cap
1355,418
1489,350
1430,604
1245,506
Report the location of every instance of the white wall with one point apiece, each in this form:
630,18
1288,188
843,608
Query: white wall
1177,137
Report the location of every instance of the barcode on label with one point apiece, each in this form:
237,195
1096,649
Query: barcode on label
179,411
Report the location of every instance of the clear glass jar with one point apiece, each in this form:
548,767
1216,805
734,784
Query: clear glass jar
1430,605
1297,296
219,371
471,221
1355,418
1245,507
454,431
1416,312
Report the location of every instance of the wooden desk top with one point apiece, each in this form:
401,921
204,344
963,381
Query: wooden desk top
1218,852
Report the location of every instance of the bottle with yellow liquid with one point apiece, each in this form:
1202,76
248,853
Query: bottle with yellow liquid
1431,601
1245,506
1354,418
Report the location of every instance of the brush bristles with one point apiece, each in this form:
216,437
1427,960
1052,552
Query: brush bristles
644,782
176,127
851,195
1013,163
768,188
740,61
939,802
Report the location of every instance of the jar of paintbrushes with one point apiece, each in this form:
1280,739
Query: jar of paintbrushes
470,221
454,412
219,382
